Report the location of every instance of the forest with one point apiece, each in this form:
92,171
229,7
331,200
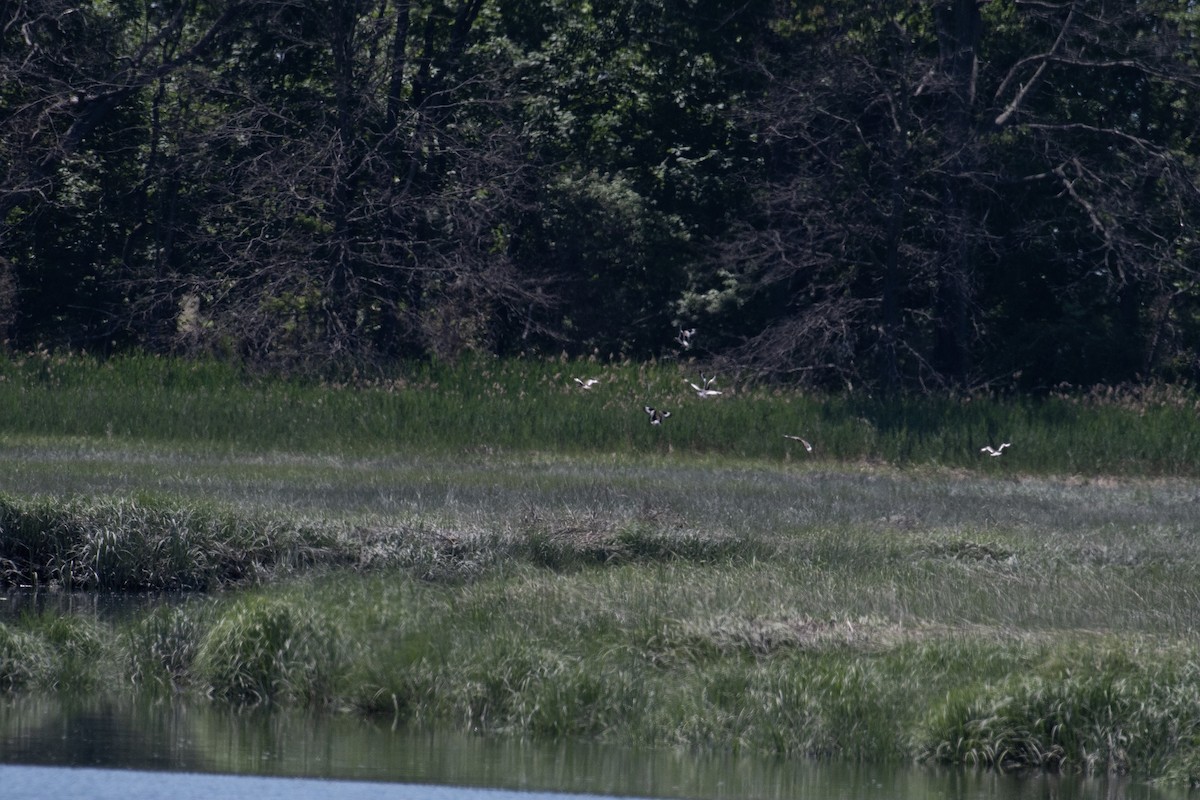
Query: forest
888,195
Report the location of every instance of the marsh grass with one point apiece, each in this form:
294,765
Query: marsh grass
642,654
107,545
25,659
1102,711
132,545
486,547
763,657
162,646
492,406
66,653
269,649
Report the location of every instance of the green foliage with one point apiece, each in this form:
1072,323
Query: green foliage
644,655
67,653
264,649
162,646
25,660
1107,712
78,645
381,181
131,545
496,406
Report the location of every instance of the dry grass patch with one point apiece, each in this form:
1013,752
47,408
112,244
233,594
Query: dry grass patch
763,636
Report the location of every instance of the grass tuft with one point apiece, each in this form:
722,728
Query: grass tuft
66,653
135,545
1106,712
25,659
163,645
262,650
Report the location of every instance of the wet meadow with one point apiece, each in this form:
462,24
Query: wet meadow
491,548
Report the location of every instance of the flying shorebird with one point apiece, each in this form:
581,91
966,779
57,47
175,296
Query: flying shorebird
685,337
799,439
589,383
994,451
705,391
656,416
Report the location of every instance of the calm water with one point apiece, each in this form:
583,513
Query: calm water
135,749
100,784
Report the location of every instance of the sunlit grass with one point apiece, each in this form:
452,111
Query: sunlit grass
746,658
490,406
264,649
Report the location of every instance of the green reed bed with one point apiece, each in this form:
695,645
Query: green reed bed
489,406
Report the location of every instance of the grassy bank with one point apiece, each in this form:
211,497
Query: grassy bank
732,657
492,549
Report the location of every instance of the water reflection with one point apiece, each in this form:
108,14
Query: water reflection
16,602
128,733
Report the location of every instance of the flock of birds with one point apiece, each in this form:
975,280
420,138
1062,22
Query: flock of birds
706,389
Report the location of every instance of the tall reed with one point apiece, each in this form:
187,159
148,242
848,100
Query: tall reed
488,406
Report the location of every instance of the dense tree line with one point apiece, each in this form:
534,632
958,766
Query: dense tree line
899,194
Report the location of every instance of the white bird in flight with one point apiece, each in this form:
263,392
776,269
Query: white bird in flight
656,416
685,337
589,383
994,451
799,439
705,391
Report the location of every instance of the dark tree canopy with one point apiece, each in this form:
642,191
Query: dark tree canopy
929,195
